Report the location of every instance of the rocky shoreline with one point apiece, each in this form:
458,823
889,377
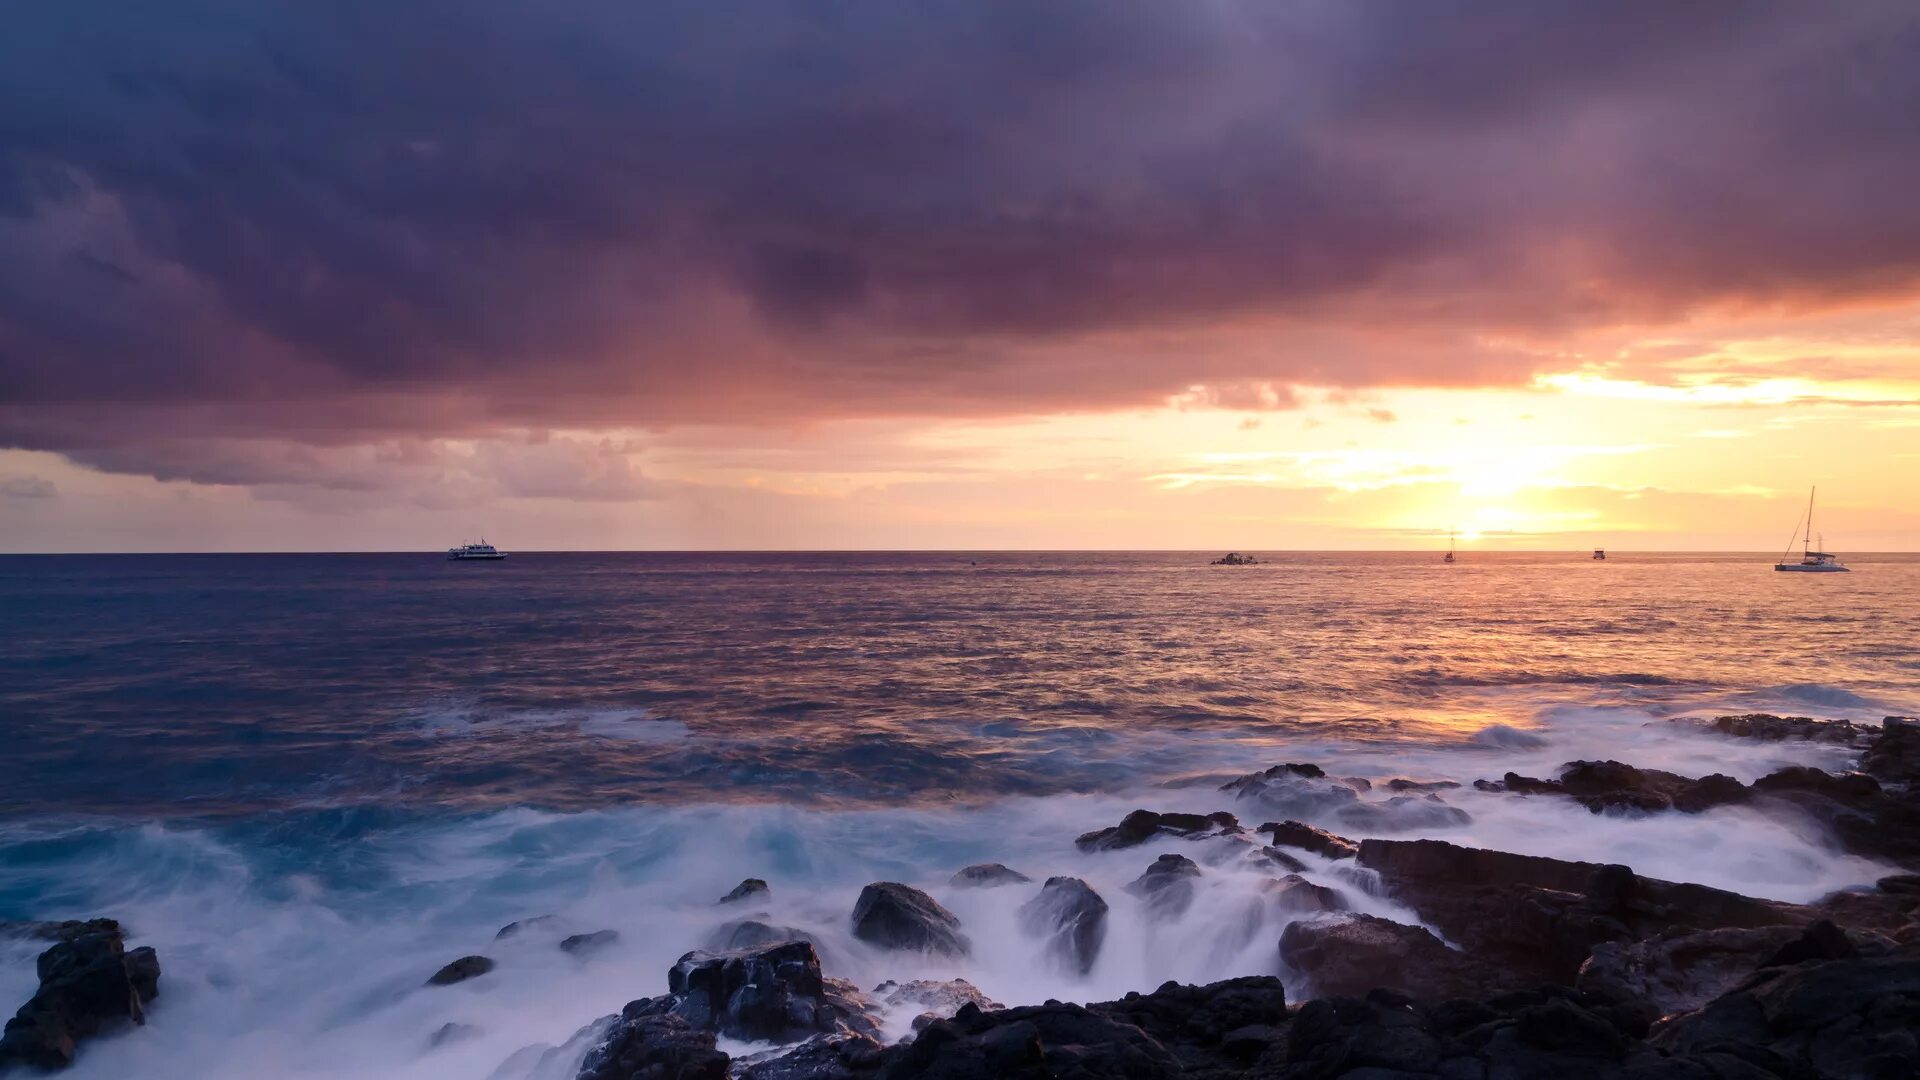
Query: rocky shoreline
1520,965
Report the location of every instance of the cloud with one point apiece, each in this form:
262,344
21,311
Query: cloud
339,225
26,487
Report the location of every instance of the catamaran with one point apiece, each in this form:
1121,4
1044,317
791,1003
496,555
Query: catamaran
1811,561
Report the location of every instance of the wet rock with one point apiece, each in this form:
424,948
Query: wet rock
1167,886
988,876
1349,955
1852,789
89,983
751,889
1072,920
1144,825
1402,786
1767,727
519,927
662,1045
1296,791
896,916
1220,1029
1516,784
450,1033
1540,918
1273,858
840,1056
1714,789
1307,838
1295,895
1835,1018
584,945
1681,971
752,933
776,994
1603,786
1894,757
937,999
1036,1042
467,967
1900,884
65,930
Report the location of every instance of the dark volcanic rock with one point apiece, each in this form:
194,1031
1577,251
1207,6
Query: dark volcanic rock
588,944
1837,1018
1296,895
65,930
655,1047
1402,813
1542,917
1516,784
89,982
987,876
1714,789
1071,918
1402,786
1272,858
1612,785
1307,838
1144,825
1036,1042
1852,789
751,889
1679,972
840,1056
1766,727
1894,757
1297,791
936,999
467,967
549,923
751,933
1221,1029
896,916
1352,954
1167,886
775,993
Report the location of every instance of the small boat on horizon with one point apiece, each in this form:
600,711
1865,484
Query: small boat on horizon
1600,554
480,552
1449,555
1811,561
1234,558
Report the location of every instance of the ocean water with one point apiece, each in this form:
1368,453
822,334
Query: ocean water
309,781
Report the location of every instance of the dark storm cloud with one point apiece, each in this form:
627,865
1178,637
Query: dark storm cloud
343,221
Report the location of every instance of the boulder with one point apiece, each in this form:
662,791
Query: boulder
1894,757
1144,825
658,1045
1852,789
1402,813
1035,1042
1307,838
1272,858
843,1055
467,967
935,999
896,916
1071,918
1603,786
1351,954
1714,789
1167,886
1514,783
750,933
1221,1029
1680,971
584,945
1766,727
751,889
65,930
1297,791
776,994
988,876
89,983
1400,785
519,927
1295,895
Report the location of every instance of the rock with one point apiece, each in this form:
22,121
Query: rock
1167,886
1295,895
1714,789
1833,1018
1403,786
1516,784
65,930
1297,791
1900,884
1894,757
840,1056
1766,727
449,1033
1819,941
1220,1029
587,944
775,993
751,889
89,983
1307,838
988,876
1273,858
896,916
663,1046
1143,825
1852,789
1035,1042
1351,954
1402,813
467,967
1602,786
936,999
1540,918
1678,972
750,933
1071,918
544,923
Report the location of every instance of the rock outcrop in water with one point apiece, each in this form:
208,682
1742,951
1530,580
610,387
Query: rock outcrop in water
751,889
1070,918
1144,825
89,983
1167,886
1307,838
458,971
896,916
988,876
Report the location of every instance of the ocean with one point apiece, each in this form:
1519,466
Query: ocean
310,780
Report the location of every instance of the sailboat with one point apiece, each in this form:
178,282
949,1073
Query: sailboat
1811,561
1449,556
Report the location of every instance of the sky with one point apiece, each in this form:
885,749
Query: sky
590,274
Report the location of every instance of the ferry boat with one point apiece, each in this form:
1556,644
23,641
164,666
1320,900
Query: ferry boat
1811,561
480,552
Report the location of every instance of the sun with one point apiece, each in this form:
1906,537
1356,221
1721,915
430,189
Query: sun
1469,535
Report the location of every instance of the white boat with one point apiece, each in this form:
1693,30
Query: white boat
1811,561
480,552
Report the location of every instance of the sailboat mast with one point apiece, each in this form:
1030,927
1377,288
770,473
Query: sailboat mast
1808,545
